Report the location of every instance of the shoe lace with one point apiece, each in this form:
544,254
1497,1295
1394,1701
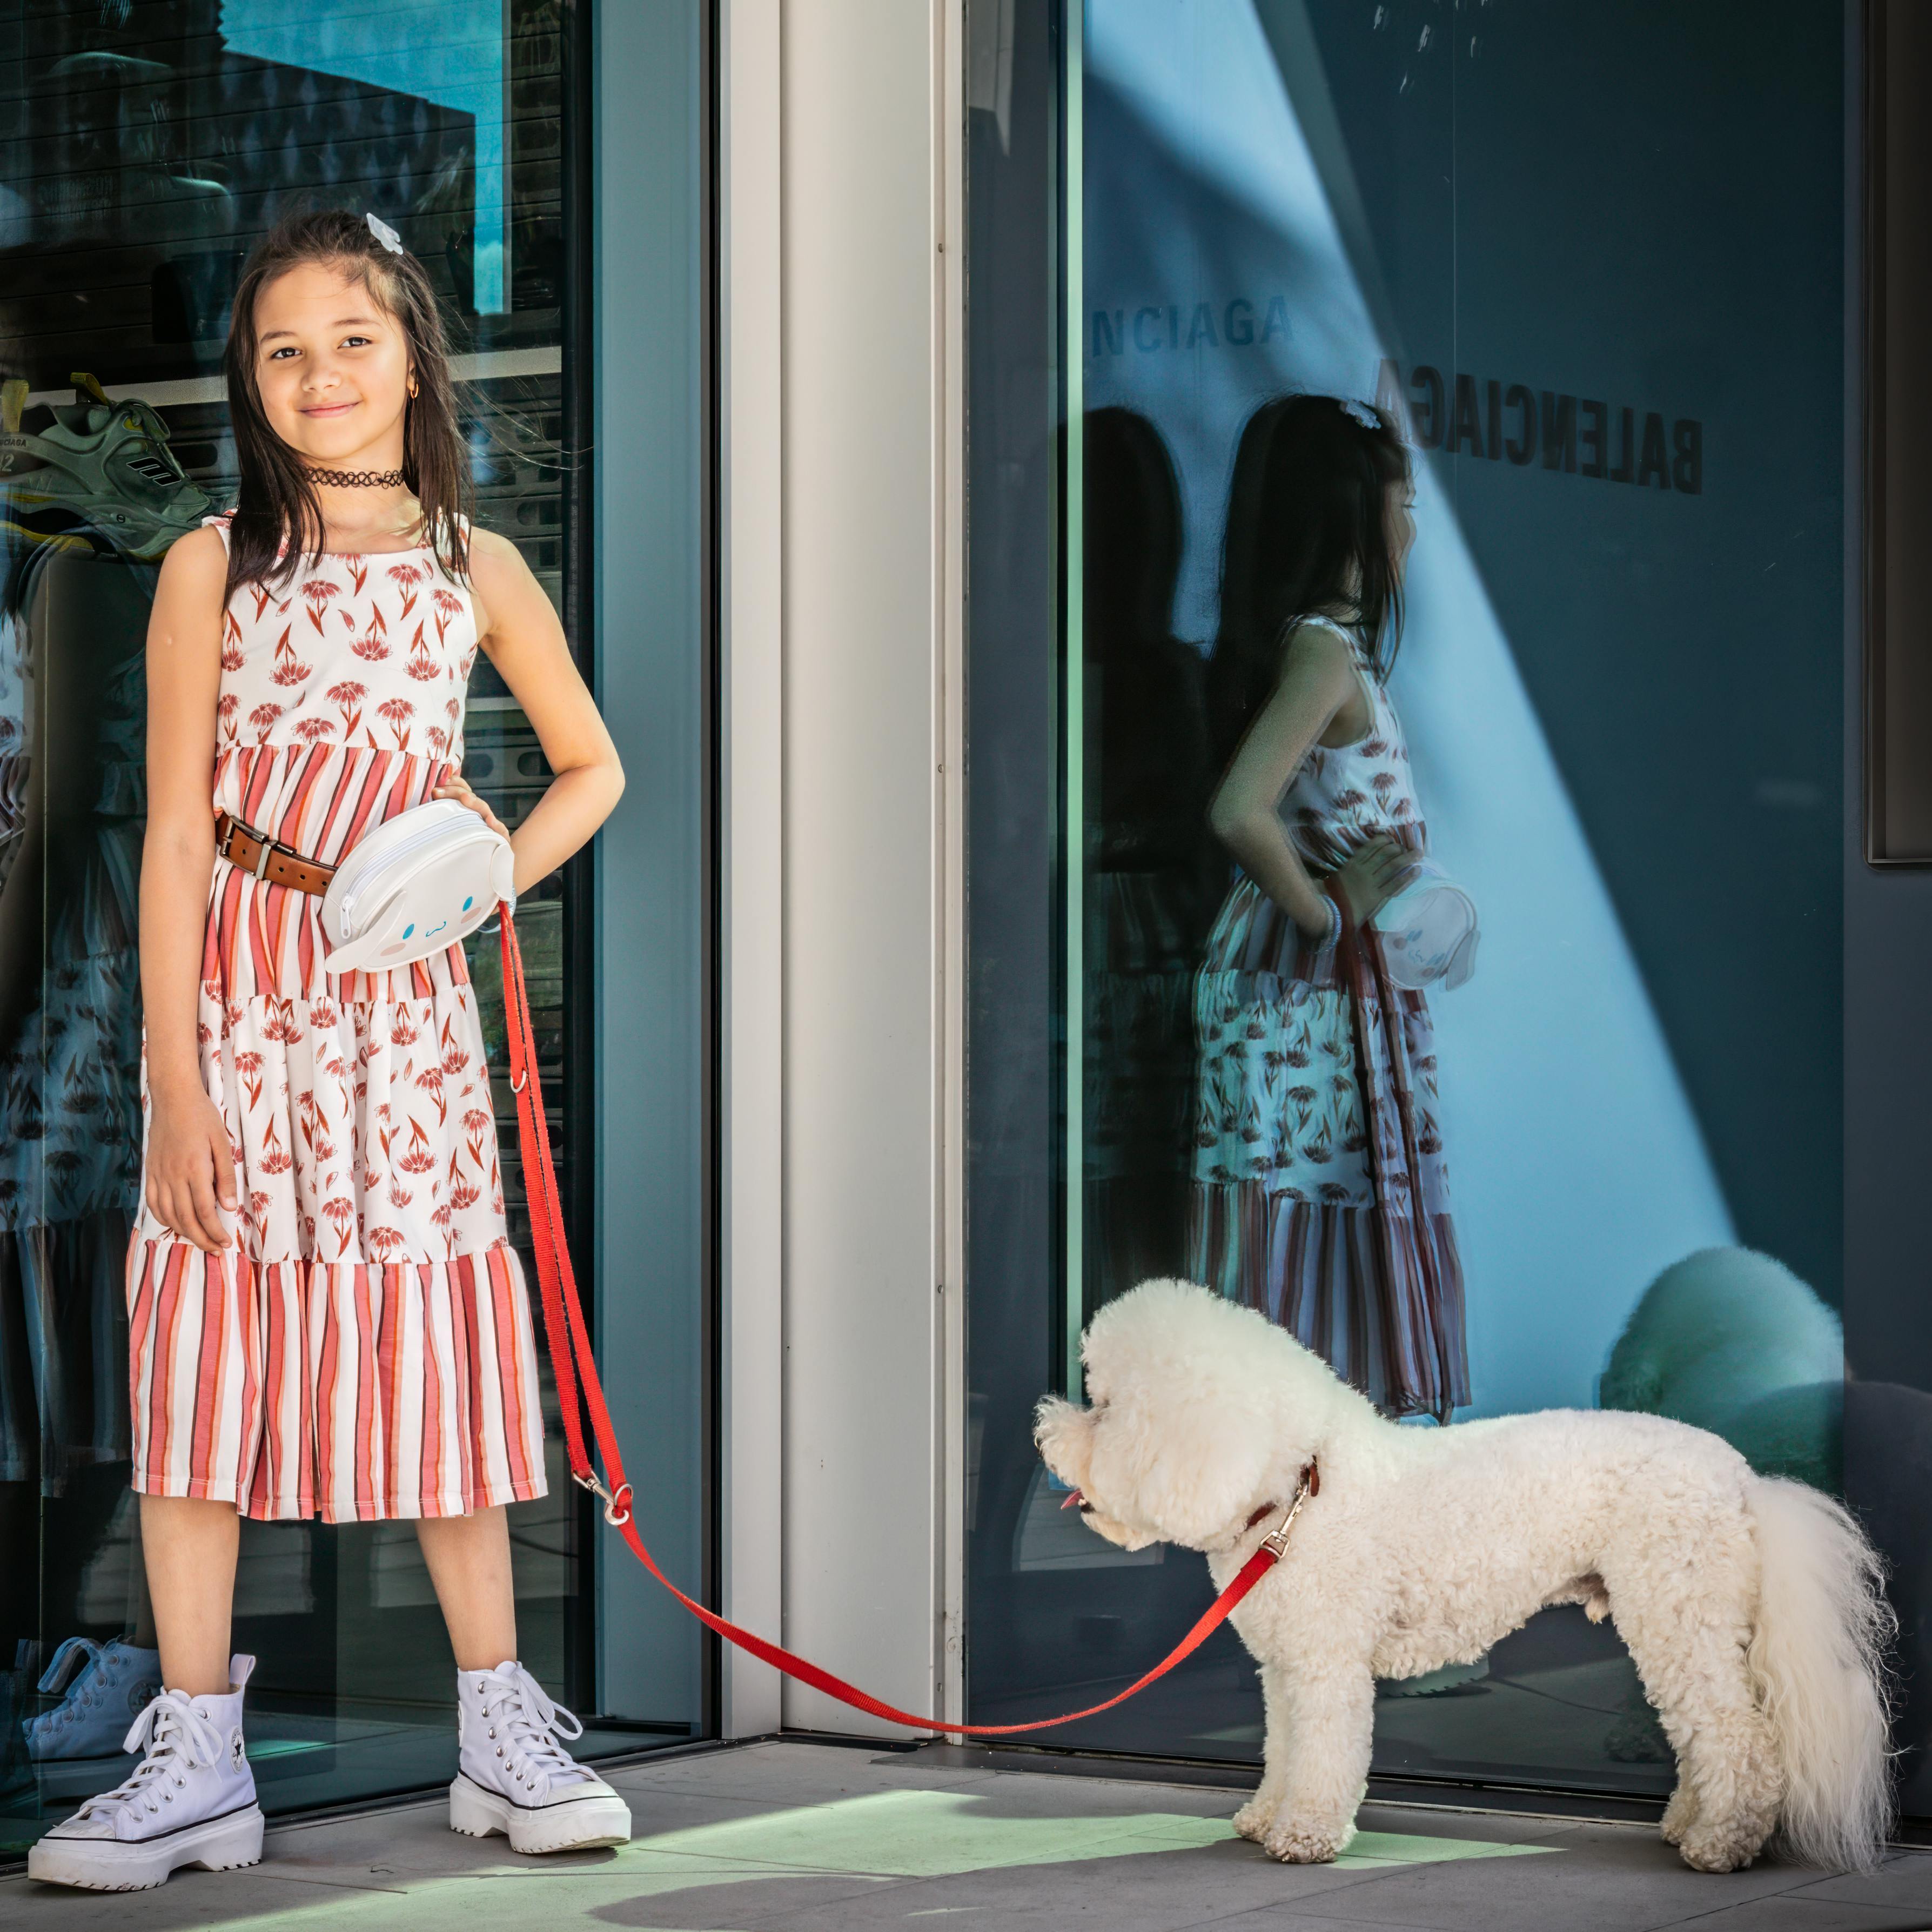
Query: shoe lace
172,1738
516,1704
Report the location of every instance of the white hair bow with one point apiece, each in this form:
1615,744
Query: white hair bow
384,234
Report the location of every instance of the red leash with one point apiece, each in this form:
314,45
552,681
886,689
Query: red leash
570,1357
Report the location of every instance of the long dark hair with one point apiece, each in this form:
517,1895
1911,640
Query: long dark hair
278,520
1307,529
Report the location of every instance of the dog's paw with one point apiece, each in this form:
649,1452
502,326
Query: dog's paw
1716,1851
1252,1819
1297,1845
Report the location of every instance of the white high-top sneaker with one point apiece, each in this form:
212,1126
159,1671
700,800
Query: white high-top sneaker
517,1778
191,1800
106,1684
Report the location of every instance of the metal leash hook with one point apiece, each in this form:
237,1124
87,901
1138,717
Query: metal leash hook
522,1079
616,1509
1277,1539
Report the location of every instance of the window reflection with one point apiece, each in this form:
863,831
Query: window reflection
1615,750
1320,1192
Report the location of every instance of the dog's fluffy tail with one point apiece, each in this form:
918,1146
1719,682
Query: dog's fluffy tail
1818,1657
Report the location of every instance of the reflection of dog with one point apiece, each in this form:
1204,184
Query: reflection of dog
1750,1604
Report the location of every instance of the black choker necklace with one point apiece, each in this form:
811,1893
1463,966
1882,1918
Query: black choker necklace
356,479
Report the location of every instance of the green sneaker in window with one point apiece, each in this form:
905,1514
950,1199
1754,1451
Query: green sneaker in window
101,471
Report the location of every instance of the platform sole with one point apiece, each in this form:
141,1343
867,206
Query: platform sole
226,1843
574,1825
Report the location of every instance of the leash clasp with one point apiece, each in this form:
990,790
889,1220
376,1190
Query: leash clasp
1276,1541
617,1508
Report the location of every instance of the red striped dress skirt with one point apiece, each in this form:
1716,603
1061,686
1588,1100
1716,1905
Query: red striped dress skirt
363,1347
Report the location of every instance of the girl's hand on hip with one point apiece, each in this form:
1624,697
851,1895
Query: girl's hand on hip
1373,875
453,787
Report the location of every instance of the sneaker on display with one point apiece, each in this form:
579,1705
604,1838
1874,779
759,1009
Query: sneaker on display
108,1686
100,471
518,1779
190,1802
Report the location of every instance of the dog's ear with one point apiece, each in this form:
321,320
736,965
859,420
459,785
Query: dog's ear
1063,1431
1186,1468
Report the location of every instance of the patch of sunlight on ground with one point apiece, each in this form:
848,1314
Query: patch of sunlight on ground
881,1835
934,1833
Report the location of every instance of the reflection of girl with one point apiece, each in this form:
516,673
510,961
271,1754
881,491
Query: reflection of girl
1320,1195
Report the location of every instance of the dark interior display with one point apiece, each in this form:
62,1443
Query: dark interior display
1898,401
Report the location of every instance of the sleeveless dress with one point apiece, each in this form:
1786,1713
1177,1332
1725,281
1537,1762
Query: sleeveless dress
364,1348
1320,1195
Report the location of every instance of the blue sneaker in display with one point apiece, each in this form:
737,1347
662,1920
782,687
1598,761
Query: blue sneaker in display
108,1686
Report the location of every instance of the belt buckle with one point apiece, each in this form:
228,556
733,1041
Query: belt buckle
264,843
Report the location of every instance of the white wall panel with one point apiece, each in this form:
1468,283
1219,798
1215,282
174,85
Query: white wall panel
750,319
863,587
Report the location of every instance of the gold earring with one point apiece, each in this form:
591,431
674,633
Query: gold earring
412,385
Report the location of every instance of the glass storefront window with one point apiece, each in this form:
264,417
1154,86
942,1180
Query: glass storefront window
142,148
1209,240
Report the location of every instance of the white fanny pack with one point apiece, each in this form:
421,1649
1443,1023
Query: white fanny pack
1429,931
419,882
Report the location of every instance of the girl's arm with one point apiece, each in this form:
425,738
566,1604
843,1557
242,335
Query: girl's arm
521,637
1317,680
190,1163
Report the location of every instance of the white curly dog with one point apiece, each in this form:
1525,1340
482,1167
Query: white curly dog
1751,1605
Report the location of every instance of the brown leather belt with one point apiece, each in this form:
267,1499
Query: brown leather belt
268,858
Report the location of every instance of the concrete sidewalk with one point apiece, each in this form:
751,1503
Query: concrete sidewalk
813,1838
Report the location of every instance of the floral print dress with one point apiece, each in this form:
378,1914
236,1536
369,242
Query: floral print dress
365,1347
1320,1194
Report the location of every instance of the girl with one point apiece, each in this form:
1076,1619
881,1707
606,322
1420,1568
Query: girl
1319,1193
325,1316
